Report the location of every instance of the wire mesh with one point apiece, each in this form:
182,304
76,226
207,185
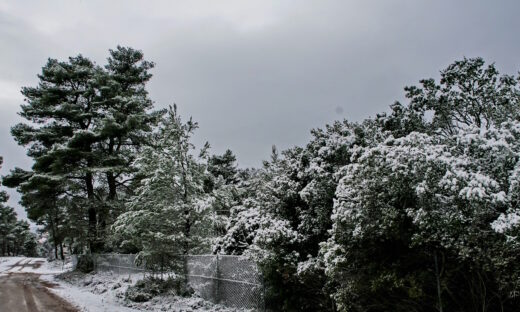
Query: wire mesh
117,263
201,272
233,281
239,283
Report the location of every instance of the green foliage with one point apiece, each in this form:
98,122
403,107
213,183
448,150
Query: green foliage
84,125
415,219
414,210
15,235
169,213
380,215
147,288
224,166
85,263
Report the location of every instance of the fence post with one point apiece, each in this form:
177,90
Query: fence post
185,264
217,276
264,299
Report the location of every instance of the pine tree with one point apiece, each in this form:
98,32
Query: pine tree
61,110
124,122
85,125
169,213
224,166
15,235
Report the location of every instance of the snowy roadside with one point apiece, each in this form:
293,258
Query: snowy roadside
101,291
84,297
30,265
6,263
47,272
104,291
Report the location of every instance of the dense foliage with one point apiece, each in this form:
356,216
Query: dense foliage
85,124
168,216
15,235
413,210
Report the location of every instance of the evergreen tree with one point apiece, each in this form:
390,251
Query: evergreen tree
124,123
169,213
302,197
44,199
61,110
468,94
86,123
224,166
15,235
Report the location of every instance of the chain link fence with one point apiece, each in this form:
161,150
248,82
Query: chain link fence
233,281
117,263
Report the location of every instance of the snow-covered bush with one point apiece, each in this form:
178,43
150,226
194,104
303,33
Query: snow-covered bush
145,289
424,203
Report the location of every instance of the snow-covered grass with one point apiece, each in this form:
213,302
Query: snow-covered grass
6,263
101,291
104,291
84,298
30,265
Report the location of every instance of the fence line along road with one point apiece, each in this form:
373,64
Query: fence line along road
233,281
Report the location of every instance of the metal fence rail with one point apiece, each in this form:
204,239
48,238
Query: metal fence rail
117,263
233,281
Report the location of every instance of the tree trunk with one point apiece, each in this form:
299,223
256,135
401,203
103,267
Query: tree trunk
61,251
92,215
112,188
112,195
53,234
187,225
438,281
187,230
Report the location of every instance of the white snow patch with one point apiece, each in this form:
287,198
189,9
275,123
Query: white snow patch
104,291
86,300
30,265
506,222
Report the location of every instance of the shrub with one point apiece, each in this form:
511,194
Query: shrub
85,263
146,289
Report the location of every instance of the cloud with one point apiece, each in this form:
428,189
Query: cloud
10,91
257,73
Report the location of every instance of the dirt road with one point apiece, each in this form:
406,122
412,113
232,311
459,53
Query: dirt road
25,292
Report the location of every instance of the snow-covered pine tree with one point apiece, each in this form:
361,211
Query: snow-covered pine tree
7,221
222,184
170,215
124,123
224,166
59,133
15,235
46,203
287,216
84,126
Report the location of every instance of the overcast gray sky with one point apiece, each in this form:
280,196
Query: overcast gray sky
256,73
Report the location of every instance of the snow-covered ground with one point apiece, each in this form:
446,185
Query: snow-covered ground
104,291
31,265
100,292
85,298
